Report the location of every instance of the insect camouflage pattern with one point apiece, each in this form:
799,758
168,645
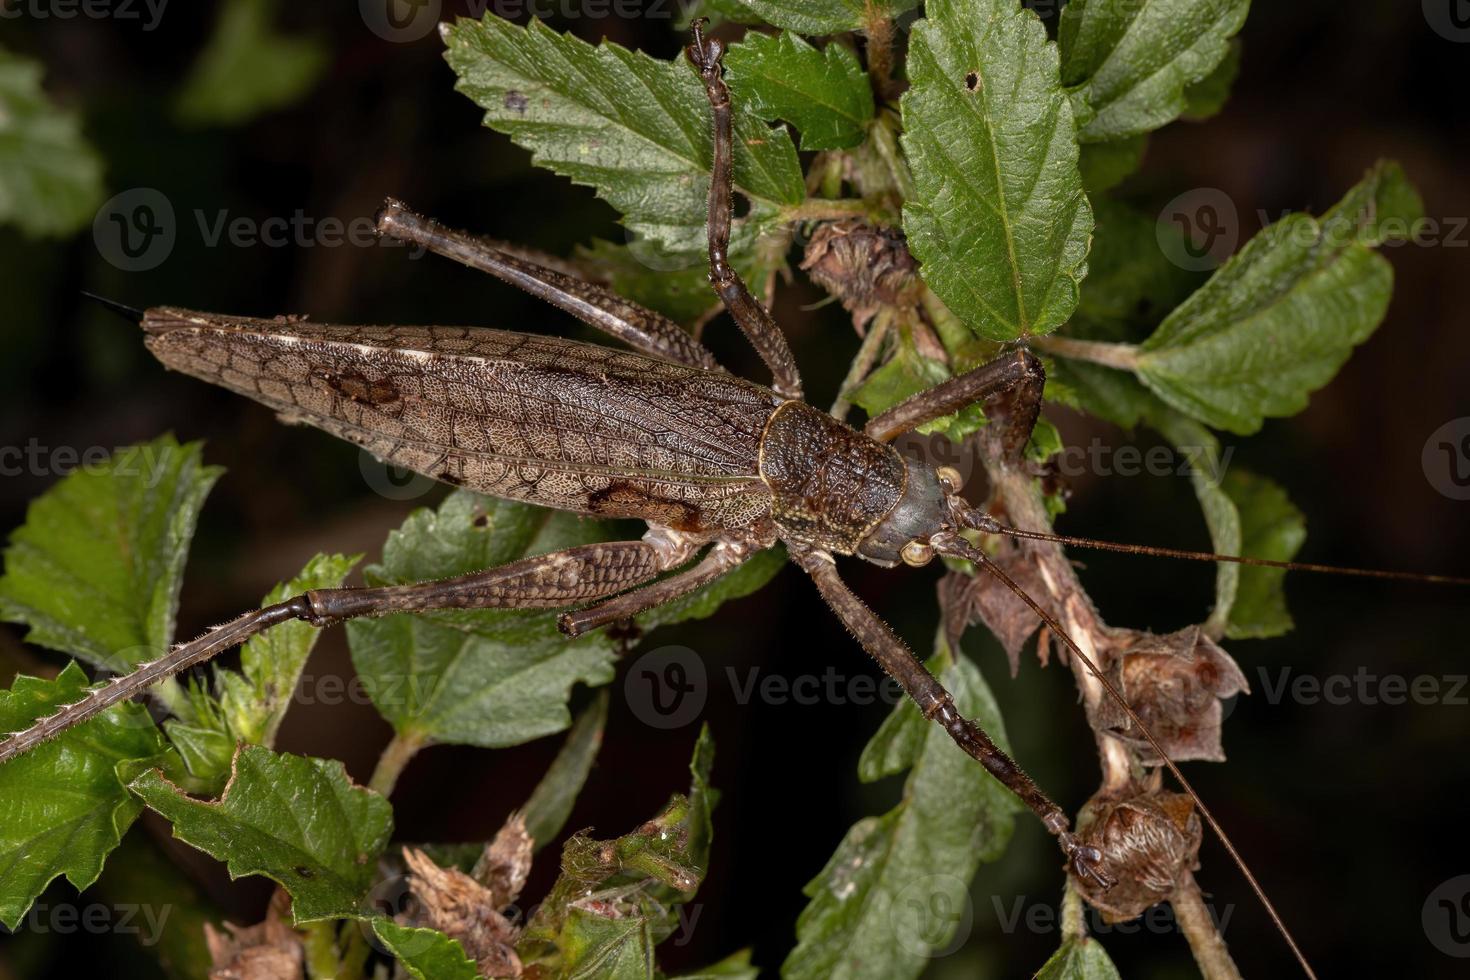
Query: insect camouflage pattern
662,434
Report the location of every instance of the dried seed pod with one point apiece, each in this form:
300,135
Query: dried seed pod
271,950
863,266
1148,841
1175,683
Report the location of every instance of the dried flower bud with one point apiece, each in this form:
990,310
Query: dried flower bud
465,910
863,266
1175,683
270,950
1148,841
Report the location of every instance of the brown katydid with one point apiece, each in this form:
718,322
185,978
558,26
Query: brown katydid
666,436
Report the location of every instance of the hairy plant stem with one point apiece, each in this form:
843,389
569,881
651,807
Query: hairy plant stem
1017,495
863,362
880,31
1199,928
1074,913
320,944
835,209
1124,357
396,755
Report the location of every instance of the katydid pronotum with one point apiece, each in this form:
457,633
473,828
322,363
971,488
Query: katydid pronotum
708,460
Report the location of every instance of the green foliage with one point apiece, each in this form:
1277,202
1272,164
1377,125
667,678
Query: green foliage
1277,321
1130,65
487,677
427,954
1079,959
1004,165
298,821
550,805
889,897
1270,527
650,157
249,704
66,802
95,571
247,68
998,220
50,176
824,94
614,901
824,16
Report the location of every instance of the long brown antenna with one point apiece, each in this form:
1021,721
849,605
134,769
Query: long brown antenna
958,547
984,522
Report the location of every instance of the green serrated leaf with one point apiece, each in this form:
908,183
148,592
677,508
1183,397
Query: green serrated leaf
551,802
824,94
1206,472
1109,394
634,128
249,704
1079,959
490,677
95,570
1271,527
50,176
641,877
681,293
998,218
298,821
894,892
1276,322
255,699
1208,96
736,966
64,805
248,68
1105,166
716,12
427,954
1131,284
1129,64
598,945
735,584
825,16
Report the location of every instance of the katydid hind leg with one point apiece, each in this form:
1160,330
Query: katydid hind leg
597,306
723,557
577,575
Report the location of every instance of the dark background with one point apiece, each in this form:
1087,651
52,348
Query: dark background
1351,814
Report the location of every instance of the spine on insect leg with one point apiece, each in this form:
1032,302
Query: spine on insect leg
128,686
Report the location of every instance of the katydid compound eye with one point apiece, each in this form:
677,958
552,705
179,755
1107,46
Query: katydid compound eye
949,478
917,553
